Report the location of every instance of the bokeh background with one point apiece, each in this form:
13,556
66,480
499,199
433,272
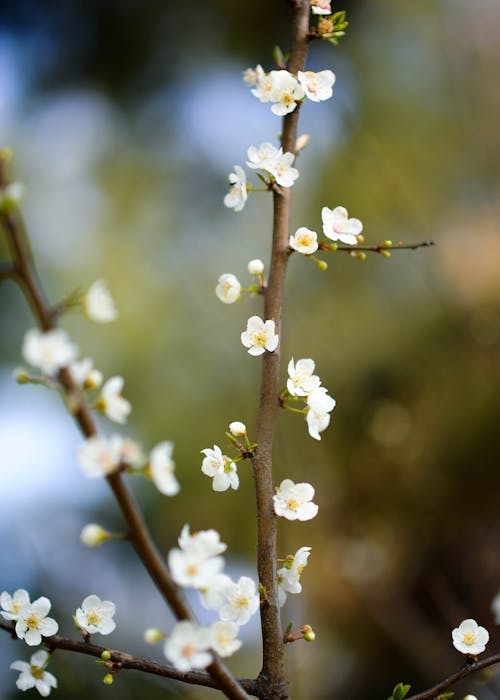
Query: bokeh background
126,118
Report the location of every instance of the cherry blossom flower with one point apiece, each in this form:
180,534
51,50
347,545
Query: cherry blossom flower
33,623
237,429
98,303
93,535
264,157
321,7
318,415
212,595
240,600
188,645
469,638
162,468
49,351
99,456
256,267
264,84
283,172
289,575
317,86
96,615
112,403
197,562
205,543
13,604
294,501
259,336
237,195
301,380
338,227
131,453
34,675
271,159
221,468
84,374
224,640
228,288
304,241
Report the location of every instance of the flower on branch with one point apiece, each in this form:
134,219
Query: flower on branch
237,195
93,535
205,543
256,267
85,375
49,351
338,227
259,336
34,675
221,468
228,288
99,456
98,303
111,401
318,415
294,501
196,563
224,640
321,7
289,575
13,604
96,615
162,467
238,600
280,87
33,623
271,159
317,86
301,380
131,453
470,638
237,428
188,645
304,241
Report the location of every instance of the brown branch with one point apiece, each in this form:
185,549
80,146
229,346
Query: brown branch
7,270
120,660
454,678
323,245
139,532
272,674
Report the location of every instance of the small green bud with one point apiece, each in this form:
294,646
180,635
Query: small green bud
387,244
106,655
322,265
360,255
309,634
21,375
385,253
108,679
153,635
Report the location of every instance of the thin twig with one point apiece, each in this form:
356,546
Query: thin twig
375,248
454,678
7,270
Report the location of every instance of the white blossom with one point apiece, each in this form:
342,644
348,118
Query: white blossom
304,241
111,401
317,86
49,351
221,468
259,336
294,501
228,288
338,227
93,535
85,375
34,675
205,543
237,428
162,468
250,76
256,267
98,303
318,414
196,563
264,84
12,605
33,623
223,636
321,7
212,595
240,600
289,575
301,378
131,453
283,171
238,194
188,645
469,638
96,615
264,157
99,456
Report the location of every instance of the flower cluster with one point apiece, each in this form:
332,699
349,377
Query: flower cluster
286,90
229,289
303,384
31,619
337,226
273,161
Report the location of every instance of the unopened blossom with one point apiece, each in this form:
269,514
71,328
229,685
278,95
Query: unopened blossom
49,351
11,605
162,468
317,86
221,468
256,267
111,401
99,456
287,91
470,697
33,624
289,575
301,378
319,404
240,601
98,303
85,375
321,7
228,288
259,336
470,638
224,640
304,241
237,428
96,615
339,227
34,675
153,635
188,645
238,194
204,543
93,535
495,608
294,501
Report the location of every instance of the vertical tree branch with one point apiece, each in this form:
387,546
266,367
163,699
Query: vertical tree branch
272,674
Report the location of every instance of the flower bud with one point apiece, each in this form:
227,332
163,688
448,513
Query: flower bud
153,635
309,634
108,679
301,142
360,238
256,267
21,375
237,429
387,244
325,25
92,535
106,655
360,255
385,253
322,264
93,380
